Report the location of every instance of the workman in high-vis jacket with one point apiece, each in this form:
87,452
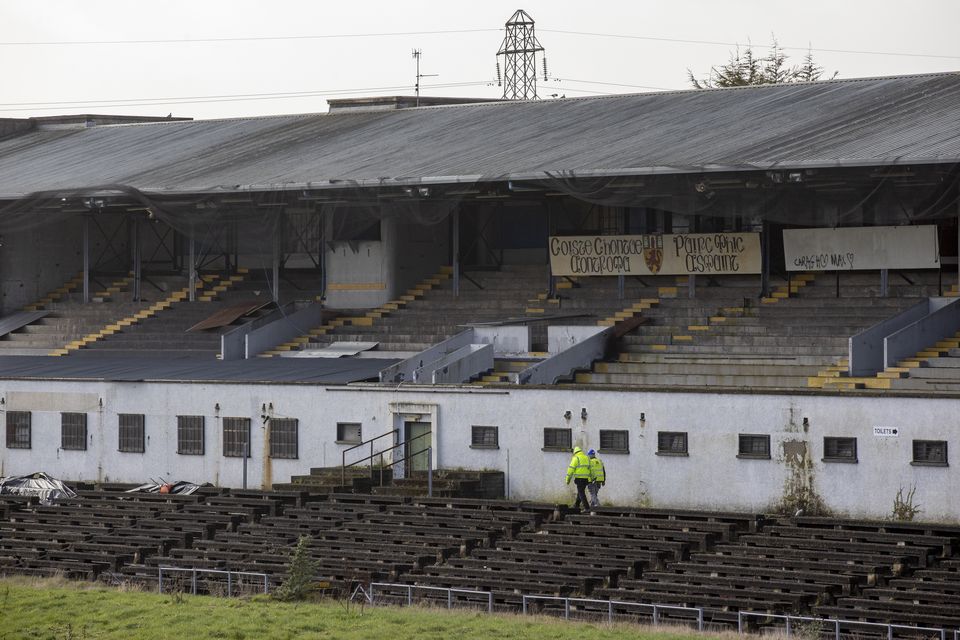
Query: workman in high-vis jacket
598,476
579,470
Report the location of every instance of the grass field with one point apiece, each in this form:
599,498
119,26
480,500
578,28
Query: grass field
59,610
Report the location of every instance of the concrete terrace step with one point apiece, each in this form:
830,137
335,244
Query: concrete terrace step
713,369
694,380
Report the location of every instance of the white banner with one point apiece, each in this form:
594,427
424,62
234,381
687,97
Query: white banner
861,248
667,254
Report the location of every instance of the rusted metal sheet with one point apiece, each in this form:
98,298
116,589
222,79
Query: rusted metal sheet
228,315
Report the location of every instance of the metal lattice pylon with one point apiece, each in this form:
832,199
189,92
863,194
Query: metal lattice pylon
519,51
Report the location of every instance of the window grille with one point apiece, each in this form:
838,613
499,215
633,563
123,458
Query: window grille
236,437
18,429
672,443
557,439
754,446
615,441
73,431
484,437
840,449
131,433
284,437
190,435
930,452
349,432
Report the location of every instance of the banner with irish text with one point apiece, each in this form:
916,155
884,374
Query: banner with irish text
666,254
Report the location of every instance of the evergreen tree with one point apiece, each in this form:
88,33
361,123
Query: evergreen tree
745,69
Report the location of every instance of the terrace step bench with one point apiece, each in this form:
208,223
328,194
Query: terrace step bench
545,511
880,526
724,531
700,565
189,525
285,499
455,525
42,531
70,569
507,520
937,545
242,513
743,521
550,545
869,568
822,593
869,552
918,597
366,499
574,573
74,521
161,536
677,550
388,539
139,497
944,581
559,561
101,560
471,536
623,528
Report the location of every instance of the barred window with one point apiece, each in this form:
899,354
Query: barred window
672,443
236,437
930,452
131,433
557,439
839,449
73,431
18,429
754,446
349,432
190,435
614,441
484,437
283,437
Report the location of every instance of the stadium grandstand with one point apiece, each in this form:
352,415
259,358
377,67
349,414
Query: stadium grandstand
328,317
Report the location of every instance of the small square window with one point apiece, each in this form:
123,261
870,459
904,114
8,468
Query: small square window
839,449
754,446
349,432
131,433
18,429
930,453
557,439
484,437
672,443
190,435
614,441
236,437
73,431
283,437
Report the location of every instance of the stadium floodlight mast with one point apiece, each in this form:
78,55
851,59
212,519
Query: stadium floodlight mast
519,50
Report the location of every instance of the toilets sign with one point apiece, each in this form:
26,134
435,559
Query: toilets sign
886,432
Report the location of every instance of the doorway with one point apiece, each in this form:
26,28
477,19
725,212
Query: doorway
417,430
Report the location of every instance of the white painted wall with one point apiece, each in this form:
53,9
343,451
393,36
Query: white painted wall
711,476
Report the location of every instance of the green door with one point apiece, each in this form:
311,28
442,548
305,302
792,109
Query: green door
413,430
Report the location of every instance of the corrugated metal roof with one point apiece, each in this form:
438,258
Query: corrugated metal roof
135,367
866,122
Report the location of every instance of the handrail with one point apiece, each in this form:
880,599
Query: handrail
343,456
836,624
654,608
344,465
371,597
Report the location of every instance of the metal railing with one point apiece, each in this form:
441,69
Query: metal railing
407,456
409,588
195,571
836,623
343,456
610,604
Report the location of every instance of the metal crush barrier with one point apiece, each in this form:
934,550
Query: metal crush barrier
655,609
193,577
836,623
371,595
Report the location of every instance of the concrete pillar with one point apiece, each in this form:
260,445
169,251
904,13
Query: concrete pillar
86,258
456,252
193,268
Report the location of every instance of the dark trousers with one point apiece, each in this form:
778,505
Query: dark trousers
581,493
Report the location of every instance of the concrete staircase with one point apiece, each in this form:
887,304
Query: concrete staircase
726,337
447,483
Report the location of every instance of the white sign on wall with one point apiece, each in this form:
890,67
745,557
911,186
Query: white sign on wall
861,248
886,432
644,255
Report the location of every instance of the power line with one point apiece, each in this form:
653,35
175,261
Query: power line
241,97
737,44
325,36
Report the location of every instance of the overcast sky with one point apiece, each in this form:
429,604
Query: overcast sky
325,49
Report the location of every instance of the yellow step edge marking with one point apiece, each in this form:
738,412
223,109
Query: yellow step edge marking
682,338
658,347
698,327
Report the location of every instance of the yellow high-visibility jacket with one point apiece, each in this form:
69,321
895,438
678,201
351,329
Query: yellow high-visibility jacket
579,465
597,472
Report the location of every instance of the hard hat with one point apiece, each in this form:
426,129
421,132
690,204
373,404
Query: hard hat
591,452
575,449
